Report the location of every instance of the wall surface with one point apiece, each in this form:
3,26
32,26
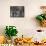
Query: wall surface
26,25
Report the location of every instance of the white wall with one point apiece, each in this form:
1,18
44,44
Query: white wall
24,25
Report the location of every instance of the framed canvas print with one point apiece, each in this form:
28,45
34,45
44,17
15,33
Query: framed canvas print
16,11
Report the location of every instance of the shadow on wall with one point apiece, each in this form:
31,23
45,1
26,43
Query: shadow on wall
34,22
2,30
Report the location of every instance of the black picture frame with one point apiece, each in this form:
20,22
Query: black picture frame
16,11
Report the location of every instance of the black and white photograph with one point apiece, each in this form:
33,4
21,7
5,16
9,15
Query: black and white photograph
16,11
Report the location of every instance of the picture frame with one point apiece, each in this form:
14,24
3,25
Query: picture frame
16,11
